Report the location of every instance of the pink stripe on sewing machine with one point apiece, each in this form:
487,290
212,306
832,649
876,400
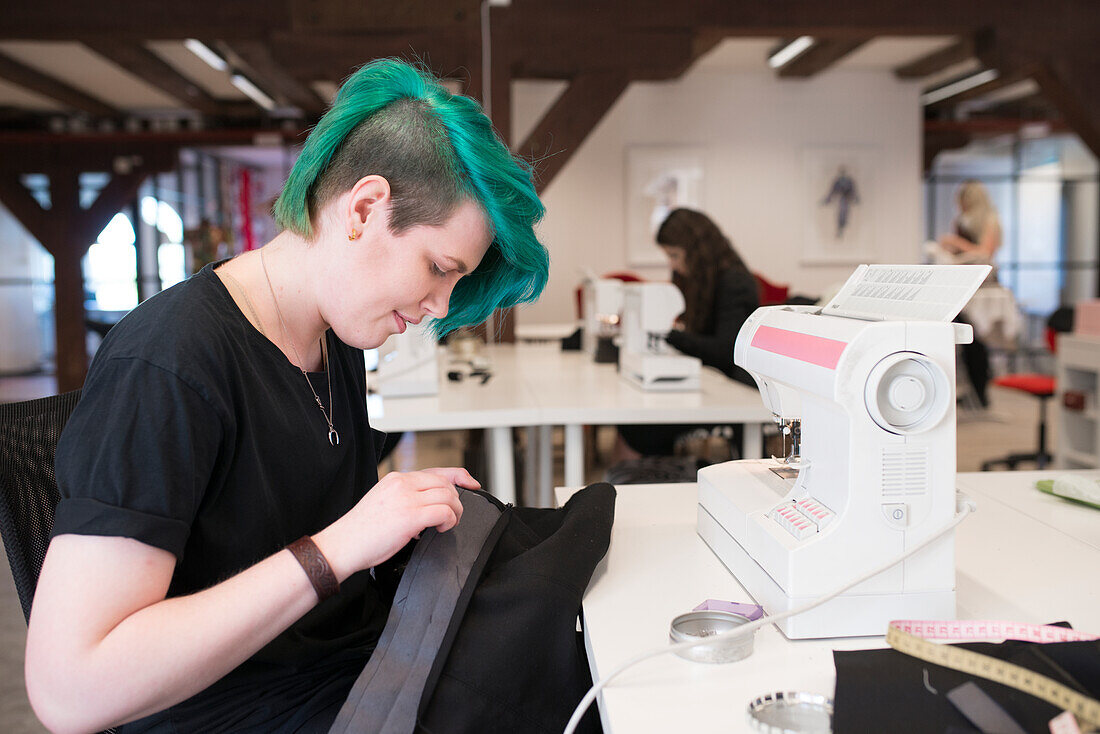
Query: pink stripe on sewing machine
796,345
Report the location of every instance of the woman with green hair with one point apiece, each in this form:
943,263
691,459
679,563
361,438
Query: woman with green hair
219,554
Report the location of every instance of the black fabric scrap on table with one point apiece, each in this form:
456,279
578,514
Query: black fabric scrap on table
884,690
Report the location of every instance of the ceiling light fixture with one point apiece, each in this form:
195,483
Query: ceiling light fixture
781,56
958,86
243,83
205,53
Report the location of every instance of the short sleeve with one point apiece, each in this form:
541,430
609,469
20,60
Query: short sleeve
136,456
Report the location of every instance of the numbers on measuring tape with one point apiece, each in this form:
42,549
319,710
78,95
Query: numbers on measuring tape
901,637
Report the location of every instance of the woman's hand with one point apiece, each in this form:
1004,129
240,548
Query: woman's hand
952,243
392,513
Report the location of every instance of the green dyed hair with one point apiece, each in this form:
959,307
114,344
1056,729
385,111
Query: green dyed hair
436,150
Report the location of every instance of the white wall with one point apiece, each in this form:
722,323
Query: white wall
21,263
1083,224
754,130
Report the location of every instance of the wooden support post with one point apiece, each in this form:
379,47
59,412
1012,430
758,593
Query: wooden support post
501,114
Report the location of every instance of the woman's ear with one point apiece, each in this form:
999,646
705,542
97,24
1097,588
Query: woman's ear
367,205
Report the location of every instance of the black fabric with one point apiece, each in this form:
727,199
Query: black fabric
512,661
735,300
884,690
436,585
196,435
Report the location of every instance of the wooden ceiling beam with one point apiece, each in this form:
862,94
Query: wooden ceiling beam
138,20
47,86
1003,80
1072,83
340,16
561,51
153,70
261,67
937,61
856,18
823,54
42,153
334,57
22,205
563,128
120,191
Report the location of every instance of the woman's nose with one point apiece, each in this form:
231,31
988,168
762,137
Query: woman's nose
438,301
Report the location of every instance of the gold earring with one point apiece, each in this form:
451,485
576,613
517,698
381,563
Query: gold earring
354,235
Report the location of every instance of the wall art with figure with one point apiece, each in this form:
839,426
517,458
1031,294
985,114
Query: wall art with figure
838,205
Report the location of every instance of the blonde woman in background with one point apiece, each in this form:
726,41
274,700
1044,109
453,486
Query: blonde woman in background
977,229
974,241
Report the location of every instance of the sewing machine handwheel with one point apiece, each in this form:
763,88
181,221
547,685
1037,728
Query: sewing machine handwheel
907,393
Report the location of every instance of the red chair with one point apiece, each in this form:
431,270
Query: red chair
771,294
623,275
1042,387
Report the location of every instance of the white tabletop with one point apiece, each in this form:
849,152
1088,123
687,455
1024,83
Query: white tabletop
506,399
1010,566
539,384
1016,490
573,389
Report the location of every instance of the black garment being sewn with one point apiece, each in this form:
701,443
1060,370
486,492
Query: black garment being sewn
482,634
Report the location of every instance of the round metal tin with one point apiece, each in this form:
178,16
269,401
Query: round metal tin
707,623
791,712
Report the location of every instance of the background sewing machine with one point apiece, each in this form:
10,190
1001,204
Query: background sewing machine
869,383
603,306
408,364
645,358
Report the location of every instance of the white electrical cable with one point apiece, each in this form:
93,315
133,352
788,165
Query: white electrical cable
967,506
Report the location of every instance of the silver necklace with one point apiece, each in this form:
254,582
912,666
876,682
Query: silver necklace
333,436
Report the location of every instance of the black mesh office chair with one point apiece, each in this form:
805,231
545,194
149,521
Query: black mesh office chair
28,488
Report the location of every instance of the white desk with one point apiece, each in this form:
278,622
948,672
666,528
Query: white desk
504,402
574,391
1010,566
540,386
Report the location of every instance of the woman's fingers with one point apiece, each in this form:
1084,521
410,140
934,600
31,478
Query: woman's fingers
456,476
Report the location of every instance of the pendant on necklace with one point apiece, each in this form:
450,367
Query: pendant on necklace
333,437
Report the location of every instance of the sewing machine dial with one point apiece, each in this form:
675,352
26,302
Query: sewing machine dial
907,393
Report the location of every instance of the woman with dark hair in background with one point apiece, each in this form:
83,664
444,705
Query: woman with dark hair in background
719,294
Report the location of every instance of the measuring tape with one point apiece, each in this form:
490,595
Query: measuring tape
913,638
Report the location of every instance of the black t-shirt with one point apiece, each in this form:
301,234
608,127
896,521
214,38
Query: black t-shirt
195,434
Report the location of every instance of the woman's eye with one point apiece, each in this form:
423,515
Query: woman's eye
437,271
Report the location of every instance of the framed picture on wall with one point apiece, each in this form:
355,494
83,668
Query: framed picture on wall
659,178
838,204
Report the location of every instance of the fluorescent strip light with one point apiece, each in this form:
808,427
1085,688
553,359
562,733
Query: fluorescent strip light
788,52
958,87
204,52
241,82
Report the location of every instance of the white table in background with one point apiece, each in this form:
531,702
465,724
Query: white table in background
502,403
540,386
574,391
1022,556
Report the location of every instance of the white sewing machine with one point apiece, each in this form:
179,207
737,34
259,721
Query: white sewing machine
603,306
408,364
645,358
869,383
